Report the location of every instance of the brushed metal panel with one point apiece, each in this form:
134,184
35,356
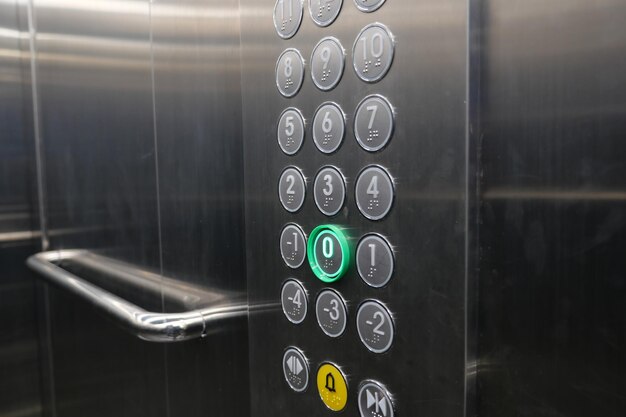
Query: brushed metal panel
95,94
552,333
425,368
197,91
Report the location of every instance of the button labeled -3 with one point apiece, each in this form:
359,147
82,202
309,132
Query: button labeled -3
332,314
332,386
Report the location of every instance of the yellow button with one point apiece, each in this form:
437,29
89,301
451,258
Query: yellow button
332,386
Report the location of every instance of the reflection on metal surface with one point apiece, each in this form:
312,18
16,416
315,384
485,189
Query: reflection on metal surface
556,194
154,327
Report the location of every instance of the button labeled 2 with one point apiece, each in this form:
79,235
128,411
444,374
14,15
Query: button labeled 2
292,189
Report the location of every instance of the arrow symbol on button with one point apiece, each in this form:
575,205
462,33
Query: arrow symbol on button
372,400
294,365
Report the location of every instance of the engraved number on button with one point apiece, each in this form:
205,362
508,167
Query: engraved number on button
291,180
334,305
378,315
372,188
373,45
328,190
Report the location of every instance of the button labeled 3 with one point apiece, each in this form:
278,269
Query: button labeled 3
373,52
289,72
332,314
327,63
374,400
329,127
332,387
375,326
294,301
287,17
324,12
329,191
296,369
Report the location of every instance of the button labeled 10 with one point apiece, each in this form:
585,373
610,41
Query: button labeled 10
373,53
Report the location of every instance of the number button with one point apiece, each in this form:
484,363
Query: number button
373,124
293,246
324,12
291,131
368,6
292,189
374,261
327,63
287,17
294,301
332,314
375,326
329,128
373,53
329,191
374,193
289,72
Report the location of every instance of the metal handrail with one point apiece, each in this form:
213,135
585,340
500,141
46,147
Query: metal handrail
150,326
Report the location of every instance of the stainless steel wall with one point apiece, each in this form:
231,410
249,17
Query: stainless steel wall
552,289
134,113
20,381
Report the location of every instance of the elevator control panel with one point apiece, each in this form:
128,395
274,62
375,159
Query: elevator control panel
333,250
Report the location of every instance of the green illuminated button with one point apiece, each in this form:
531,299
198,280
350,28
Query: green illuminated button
328,252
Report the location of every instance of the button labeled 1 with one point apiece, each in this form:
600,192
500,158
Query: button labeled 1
374,193
289,72
327,63
373,123
296,369
374,400
287,17
373,52
329,191
332,387
329,127
294,301
291,189
375,326
332,314
291,131
374,261
324,12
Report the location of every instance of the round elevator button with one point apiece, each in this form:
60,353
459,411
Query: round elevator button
294,301
374,261
329,191
373,123
368,6
332,386
375,326
296,369
292,189
293,246
332,313
290,131
328,252
289,72
329,127
373,52
374,193
324,12
327,63
374,400
287,17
